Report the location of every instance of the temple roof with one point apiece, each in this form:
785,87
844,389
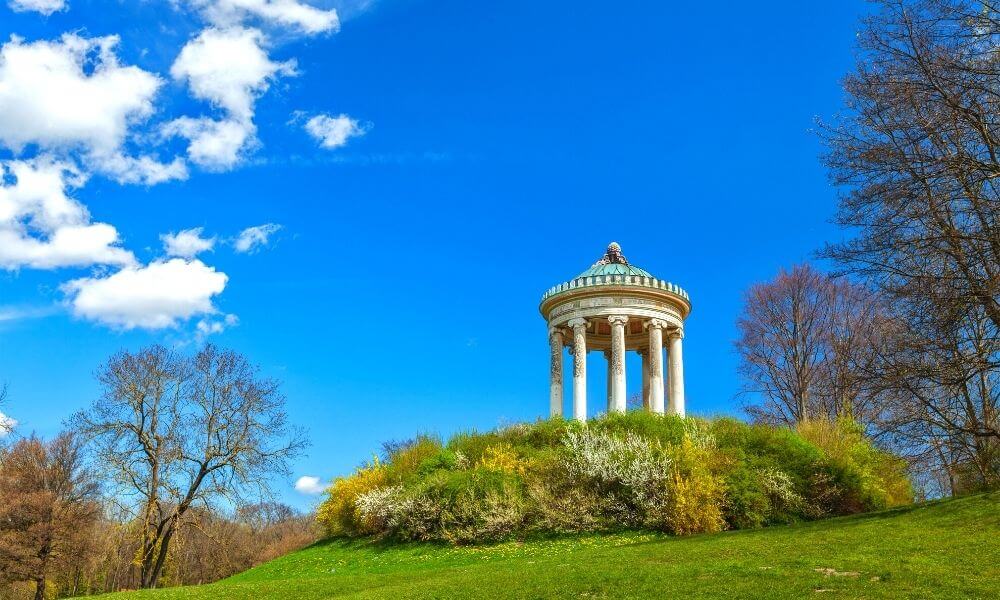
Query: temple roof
614,269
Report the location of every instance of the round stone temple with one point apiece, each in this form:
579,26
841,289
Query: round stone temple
616,307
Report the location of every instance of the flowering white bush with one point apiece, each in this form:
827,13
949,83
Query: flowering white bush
781,488
699,432
416,517
378,508
637,464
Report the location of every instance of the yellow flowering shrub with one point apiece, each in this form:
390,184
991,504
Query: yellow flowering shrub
879,478
503,458
338,514
693,501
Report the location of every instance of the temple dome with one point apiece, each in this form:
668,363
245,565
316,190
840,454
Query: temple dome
614,269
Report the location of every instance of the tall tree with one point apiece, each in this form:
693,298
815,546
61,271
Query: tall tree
806,344
48,506
918,158
177,433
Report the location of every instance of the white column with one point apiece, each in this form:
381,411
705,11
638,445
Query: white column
618,362
655,327
555,373
579,327
676,360
610,378
645,378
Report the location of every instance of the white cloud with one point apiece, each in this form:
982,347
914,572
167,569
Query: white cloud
290,13
207,327
7,424
48,97
252,238
214,145
333,132
307,484
43,228
230,69
186,243
18,313
144,169
74,94
46,7
155,296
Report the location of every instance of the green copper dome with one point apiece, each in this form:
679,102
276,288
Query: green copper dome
614,269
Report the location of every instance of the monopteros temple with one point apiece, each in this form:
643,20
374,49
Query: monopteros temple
615,307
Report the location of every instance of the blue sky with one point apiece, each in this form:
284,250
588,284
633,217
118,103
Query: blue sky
419,173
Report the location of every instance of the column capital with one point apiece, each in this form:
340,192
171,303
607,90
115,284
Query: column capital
577,322
676,332
656,324
554,331
618,319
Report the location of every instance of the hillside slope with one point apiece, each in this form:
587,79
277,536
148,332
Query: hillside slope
948,549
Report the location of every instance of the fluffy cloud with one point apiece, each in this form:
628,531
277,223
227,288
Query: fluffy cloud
155,296
186,243
214,145
46,7
42,227
307,484
73,94
229,69
333,132
144,169
252,238
290,13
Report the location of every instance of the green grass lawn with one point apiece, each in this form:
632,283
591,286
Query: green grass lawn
948,549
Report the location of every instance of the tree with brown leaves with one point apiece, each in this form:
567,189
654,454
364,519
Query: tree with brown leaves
48,507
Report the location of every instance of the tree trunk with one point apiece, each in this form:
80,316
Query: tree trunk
158,566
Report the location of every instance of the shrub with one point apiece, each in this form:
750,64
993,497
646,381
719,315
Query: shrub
377,509
338,513
502,457
870,477
691,500
679,475
410,461
472,445
665,429
559,504
461,507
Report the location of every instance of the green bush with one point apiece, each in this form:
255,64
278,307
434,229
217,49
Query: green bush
636,470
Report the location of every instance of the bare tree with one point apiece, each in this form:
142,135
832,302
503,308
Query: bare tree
176,432
918,156
806,343
48,507
6,423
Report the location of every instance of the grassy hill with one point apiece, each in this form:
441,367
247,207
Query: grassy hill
947,549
